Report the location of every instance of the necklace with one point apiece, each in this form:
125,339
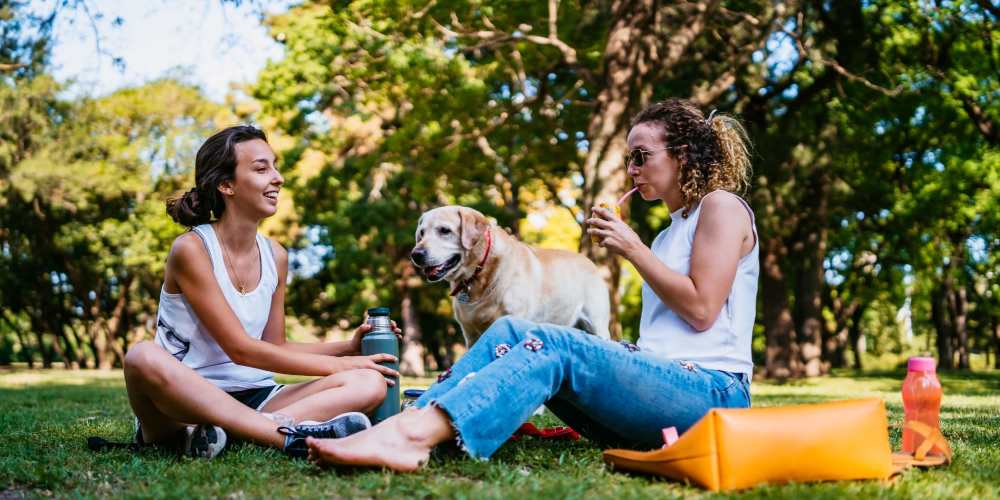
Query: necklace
232,268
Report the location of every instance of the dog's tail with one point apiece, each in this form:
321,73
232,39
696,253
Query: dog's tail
583,321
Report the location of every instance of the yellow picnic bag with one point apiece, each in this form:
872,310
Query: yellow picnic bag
730,449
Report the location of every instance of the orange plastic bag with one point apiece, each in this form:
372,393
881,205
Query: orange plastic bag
730,449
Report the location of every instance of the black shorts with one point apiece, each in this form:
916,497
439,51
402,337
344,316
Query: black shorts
256,398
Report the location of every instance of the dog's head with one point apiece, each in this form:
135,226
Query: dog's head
445,236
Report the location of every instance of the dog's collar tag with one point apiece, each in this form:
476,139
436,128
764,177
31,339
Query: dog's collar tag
463,297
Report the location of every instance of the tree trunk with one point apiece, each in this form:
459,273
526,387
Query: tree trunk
411,362
962,326
942,325
39,331
960,303
835,346
636,50
26,350
855,336
74,335
117,325
996,342
808,299
782,354
99,344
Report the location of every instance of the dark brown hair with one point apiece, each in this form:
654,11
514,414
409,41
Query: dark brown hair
712,152
214,164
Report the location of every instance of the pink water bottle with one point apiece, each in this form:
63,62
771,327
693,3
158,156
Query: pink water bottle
921,401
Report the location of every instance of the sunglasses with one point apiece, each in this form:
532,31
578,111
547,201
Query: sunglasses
637,156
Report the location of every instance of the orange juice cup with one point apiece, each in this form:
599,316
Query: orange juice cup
618,213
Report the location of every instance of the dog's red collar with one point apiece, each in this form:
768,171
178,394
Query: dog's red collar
464,284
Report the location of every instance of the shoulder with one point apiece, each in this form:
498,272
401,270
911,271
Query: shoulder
280,253
724,204
187,246
723,210
188,255
722,201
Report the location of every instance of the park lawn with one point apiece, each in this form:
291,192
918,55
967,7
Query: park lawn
46,416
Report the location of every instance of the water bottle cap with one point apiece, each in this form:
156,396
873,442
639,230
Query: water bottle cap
920,364
379,311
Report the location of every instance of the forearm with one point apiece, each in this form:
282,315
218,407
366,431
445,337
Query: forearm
677,291
281,359
339,348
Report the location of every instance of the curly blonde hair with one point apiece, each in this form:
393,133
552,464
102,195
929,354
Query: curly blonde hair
713,152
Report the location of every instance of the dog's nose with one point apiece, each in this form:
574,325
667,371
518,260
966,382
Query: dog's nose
419,256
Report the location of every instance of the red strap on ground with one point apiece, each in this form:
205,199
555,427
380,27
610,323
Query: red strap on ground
560,432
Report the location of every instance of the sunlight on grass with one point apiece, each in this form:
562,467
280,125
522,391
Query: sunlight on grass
50,414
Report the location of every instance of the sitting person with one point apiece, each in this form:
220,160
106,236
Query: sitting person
221,325
693,353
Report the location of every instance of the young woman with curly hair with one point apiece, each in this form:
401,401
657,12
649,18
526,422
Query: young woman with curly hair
693,353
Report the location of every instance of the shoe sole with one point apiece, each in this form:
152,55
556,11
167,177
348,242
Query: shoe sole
205,441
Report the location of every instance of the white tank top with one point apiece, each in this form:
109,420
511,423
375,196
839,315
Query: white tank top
724,346
179,331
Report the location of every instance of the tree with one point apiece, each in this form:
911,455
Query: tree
84,223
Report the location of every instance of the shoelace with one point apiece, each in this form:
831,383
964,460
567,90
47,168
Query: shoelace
292,432
297,431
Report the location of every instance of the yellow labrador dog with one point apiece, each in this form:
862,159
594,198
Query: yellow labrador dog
492,274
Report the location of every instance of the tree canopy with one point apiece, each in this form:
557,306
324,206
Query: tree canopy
876,164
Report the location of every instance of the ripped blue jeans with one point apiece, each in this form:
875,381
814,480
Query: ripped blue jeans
610,392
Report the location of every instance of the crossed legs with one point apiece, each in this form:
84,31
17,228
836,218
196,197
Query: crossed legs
167,395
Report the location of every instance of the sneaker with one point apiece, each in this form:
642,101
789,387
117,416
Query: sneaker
204,441
342,425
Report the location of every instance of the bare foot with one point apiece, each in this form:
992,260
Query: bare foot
402,443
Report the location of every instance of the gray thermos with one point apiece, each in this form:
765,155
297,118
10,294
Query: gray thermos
381,339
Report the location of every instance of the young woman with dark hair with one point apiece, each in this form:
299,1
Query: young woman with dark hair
221,325
698,306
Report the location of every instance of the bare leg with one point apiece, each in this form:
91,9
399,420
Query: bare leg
401,443
325,398
165,394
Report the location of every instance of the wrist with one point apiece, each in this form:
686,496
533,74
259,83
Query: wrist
336,365
632,252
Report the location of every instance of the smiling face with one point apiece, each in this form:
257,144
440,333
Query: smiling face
253,192
658,177
445,237
439,247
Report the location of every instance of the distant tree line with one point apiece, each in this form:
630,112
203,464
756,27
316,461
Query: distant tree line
876,171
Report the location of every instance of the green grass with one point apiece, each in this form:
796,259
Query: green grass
45,418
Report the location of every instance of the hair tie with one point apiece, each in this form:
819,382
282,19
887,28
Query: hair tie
710,116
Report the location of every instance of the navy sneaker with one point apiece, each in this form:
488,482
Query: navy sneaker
342,425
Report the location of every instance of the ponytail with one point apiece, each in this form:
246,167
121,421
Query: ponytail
733,143
193,207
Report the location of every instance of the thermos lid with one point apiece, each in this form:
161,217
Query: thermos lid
379,311
920,364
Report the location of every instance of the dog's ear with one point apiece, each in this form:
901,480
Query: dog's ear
473,226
